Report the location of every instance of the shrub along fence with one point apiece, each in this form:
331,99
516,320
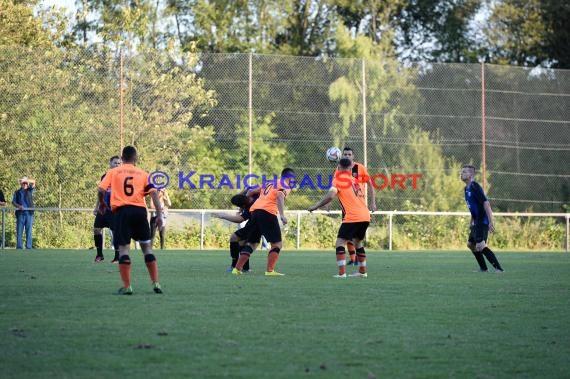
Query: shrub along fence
196,229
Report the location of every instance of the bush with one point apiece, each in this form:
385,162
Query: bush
73,230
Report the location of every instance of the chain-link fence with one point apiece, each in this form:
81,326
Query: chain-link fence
63,115
208,120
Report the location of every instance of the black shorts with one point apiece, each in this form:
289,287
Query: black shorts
131,222
243,233
264,224
353,230
104,220
478,233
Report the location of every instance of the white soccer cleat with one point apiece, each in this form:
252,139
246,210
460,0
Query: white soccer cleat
359,275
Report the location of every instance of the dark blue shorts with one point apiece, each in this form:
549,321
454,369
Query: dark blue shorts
104,220
478,233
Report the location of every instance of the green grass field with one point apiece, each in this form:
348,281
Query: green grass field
417,315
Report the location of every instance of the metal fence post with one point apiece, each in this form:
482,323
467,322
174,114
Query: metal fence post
390,231
121,98
567,232
4,228
202,213
483,129
298,235
364,126
250,116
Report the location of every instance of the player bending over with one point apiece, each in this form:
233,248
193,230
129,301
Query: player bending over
239,237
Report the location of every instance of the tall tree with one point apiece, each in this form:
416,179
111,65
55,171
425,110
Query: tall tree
436,30
516,33
529,32
129,23
556,14
369,18
388,88
221,25
19,26
307,29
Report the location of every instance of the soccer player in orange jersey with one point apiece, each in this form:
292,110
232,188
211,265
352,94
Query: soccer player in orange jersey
264,222
355,217
129,185
359,172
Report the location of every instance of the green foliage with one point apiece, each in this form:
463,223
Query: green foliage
185,238
317,232
517,33
440,187
268,157
70,231
73,230
386,84
437,30
19,27
430,232
66,230
529,233
165,95
51,138
529,33
47,142
59,106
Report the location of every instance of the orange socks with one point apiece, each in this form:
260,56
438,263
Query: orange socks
241,261
152,267
272,258
125,270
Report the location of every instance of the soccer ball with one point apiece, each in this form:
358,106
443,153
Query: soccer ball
334,154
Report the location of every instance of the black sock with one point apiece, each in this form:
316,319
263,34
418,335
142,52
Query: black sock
161,235
234,252
246,266
491,258
480,260
116,246
98,238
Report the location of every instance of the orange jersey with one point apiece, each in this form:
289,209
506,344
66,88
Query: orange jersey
268,197
359,172
129,186
351,197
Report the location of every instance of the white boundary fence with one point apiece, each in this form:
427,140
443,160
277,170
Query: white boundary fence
299,213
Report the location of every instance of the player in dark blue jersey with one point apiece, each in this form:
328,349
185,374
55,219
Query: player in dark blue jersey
481,220
239,237
105,220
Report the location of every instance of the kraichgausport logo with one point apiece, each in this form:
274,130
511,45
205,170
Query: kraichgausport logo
193,180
